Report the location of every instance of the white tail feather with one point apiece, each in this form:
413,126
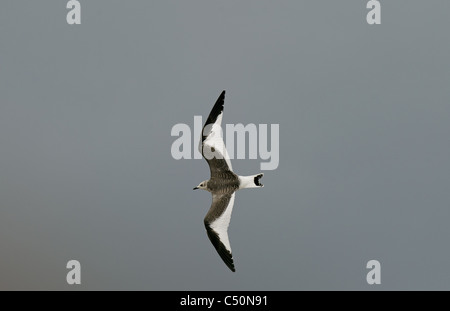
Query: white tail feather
250,181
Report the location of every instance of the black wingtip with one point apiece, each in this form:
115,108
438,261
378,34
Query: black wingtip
216,110
221,98
226,255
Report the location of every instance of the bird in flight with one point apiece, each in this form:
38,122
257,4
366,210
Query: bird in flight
223,183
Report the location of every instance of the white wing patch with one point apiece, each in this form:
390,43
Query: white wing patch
213,145
220,225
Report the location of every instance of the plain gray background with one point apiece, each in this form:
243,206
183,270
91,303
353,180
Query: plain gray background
86,171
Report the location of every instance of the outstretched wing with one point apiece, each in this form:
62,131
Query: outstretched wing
216,222
212,146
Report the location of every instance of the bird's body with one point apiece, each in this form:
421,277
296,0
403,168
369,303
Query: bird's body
223,183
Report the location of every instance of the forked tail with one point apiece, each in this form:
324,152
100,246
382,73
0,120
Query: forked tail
252,181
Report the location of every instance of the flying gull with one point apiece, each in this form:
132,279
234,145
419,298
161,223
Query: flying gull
223,183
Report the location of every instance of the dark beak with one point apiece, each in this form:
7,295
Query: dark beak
195,188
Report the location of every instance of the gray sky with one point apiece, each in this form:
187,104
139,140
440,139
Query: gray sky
86,171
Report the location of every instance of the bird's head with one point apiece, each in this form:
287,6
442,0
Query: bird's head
203,185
